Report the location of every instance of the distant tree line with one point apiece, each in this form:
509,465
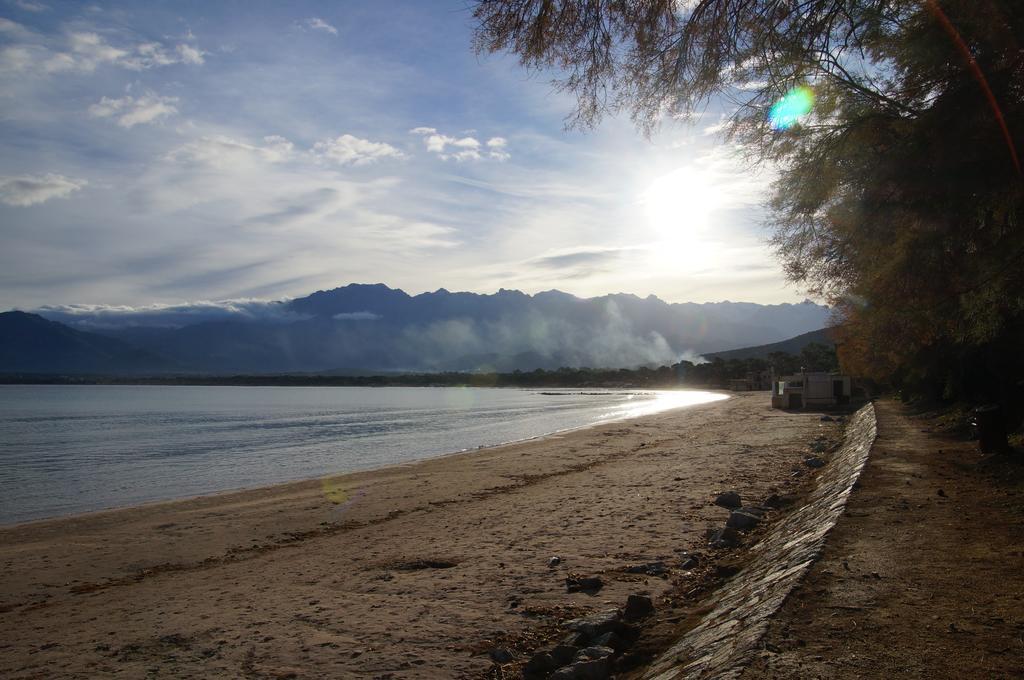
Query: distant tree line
712,374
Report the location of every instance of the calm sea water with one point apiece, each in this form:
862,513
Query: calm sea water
68,449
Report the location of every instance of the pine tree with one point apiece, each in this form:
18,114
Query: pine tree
895,126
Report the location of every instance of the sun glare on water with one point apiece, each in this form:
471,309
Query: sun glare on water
662,400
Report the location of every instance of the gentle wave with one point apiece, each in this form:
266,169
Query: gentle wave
69,449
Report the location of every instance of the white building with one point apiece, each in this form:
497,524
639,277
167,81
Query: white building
811,390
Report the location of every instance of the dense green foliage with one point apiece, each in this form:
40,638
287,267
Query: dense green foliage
899,196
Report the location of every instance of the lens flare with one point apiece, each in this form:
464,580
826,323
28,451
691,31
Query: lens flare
788,111
341,496
335,490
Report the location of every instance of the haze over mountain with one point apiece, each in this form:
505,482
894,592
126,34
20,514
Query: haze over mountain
363,327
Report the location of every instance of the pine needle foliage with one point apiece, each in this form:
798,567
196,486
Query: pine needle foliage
899,197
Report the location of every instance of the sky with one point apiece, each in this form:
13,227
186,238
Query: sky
157,153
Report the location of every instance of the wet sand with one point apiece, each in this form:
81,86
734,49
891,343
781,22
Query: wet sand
413,571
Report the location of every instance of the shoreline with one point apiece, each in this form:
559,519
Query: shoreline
321,478
408,570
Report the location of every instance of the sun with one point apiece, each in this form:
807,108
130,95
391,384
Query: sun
678,205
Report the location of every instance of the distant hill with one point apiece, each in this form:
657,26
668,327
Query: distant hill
793,345
373,328
31,344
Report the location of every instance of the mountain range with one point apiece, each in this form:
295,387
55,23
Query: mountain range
362,328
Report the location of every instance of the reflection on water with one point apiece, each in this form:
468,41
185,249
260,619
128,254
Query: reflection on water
66,449
655,402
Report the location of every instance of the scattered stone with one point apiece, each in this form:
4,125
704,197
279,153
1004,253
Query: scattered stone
574,639
589,669
540,664
742,519
726,570
650,568
689,561
728,499
554,562
563,655
543,661
596,651
598,624
583,584
502,655
814,462
724,538
637,607
775,502
827,419
609,640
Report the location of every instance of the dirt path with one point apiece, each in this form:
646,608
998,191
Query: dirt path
923,577
415,571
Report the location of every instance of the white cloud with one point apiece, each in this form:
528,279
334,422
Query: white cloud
90,49
98,316
496,146
13,29
84,51
191,55
26,190
224,152
29,6
753,85
278,146
318,24
16,58
466,148
350,150
131,111
716,128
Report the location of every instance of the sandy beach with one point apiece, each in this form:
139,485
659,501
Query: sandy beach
412,571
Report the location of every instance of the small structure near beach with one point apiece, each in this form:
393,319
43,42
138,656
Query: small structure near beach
758,380
811,390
